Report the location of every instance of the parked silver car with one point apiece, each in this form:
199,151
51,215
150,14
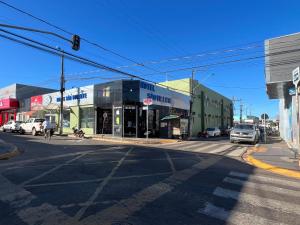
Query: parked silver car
244,133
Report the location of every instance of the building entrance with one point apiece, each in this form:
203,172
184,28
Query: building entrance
130,121
104,121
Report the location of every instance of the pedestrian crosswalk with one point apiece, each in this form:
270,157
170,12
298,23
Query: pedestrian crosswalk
251,193
223,148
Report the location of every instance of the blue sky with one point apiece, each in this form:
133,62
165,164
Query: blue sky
151,31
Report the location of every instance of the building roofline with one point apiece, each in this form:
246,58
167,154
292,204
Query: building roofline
282,36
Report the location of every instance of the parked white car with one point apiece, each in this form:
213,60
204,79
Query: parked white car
33,126
12,126
213,132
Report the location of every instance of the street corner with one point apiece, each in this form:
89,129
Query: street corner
249,158
258,148
8,150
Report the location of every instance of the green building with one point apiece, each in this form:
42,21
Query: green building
209,108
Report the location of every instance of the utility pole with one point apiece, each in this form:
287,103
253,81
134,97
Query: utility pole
241,111
62,89
191,104
241,107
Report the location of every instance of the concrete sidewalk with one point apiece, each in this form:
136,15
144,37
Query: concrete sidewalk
276,157
8,150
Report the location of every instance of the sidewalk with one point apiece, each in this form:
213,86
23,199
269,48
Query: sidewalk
7,150
275,156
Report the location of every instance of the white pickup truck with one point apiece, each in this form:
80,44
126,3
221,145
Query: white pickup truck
33,126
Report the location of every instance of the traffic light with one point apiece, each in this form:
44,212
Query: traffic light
75,42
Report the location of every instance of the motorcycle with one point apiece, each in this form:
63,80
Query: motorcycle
78,132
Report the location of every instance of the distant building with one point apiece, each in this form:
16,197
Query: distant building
252,119
13,100
210,109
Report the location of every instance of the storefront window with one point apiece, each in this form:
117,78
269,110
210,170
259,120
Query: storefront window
87,117
106,92
66,118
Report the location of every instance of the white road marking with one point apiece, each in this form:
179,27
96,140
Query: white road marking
193,145
127,207
99,189
84,204
260,178
203,148
39,159
258,201
170,162
19,198
220,149
101,162
53,169
262,187
237,152
96,180
235,217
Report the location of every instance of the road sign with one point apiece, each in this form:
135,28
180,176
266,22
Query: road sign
292,91
148,101
296,76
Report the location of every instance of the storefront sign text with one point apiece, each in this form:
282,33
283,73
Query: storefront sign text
72,97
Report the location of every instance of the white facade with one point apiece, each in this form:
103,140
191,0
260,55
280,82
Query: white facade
164,96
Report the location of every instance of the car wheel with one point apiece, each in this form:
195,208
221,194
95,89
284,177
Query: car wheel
4,130
231,141
33,131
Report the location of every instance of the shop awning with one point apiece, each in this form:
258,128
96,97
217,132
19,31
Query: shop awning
170,117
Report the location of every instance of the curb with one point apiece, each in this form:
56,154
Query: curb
268,167
135,142
142,142
12,153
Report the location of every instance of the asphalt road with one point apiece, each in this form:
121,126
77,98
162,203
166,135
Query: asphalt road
70,181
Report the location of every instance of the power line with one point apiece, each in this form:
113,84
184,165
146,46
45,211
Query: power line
68,32
73,57
203,54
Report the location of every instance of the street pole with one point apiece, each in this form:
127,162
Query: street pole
147,122
62,89
241,111
298,124
265,135
296,80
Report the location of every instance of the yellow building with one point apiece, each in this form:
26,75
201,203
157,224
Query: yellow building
209,108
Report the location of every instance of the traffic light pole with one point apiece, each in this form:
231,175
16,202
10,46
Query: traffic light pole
75,46
62,89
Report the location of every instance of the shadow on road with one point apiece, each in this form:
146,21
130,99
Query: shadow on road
122,184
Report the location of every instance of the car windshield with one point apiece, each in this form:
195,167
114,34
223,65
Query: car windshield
39,120
244,126
210,129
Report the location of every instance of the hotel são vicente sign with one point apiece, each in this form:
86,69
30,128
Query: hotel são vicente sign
72,97
163,96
